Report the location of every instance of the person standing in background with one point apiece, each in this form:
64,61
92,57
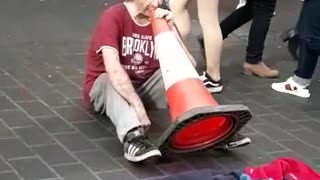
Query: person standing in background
309,51
209,21
260,12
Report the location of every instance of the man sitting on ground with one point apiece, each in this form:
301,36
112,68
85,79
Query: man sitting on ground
122,76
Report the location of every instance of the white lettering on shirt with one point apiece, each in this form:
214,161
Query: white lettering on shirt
136,43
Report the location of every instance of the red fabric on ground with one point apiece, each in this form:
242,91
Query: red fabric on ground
283,169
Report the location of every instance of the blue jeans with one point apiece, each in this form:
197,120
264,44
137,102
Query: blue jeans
309,34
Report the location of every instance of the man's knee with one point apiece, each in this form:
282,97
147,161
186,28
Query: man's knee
98,92
103,79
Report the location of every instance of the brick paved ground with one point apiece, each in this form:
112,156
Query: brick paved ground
46,134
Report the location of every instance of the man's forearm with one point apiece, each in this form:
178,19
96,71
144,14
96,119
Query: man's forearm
121,81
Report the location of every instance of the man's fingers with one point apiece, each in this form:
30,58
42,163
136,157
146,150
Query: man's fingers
146,125
158,13
145,122
169,16
163,13
146,128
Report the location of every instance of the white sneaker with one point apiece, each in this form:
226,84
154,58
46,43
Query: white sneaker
291,87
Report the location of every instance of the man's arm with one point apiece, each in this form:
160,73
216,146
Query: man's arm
122,83
119,77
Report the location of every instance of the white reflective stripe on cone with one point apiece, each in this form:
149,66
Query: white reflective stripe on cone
174,62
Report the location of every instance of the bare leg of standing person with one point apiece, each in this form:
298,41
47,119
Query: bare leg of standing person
208,17
181,17
209,21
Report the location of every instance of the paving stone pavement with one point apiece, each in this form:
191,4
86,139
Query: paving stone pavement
45,132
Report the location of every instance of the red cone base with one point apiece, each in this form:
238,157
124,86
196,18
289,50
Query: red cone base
203,128
199,133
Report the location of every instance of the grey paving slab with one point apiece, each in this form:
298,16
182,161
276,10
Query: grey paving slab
69,90
36,109
46,73
202,161
73,114
302,148
94,130
19,72
7,82
5,132
272,132
75,142
75,172
14,148
9,176
32,168
122,174
19,94
6,104
34,136
141,171
4,166
311,125
36,85
54,99
175,167
308,137
16,118
265,144
55,125
54,154
116,151
98,161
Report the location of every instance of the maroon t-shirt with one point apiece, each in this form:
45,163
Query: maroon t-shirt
134,42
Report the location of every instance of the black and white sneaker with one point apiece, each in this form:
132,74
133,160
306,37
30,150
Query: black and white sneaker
212,86
236,141
138,148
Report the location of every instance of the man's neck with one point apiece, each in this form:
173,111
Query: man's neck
136,13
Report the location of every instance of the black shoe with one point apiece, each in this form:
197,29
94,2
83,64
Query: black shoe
288,34
292,37
211,85
138,148
236,141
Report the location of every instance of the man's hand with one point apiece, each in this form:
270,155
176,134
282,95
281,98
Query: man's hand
163,13
142,116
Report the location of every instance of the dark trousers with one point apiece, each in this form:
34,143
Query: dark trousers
261,12
309,34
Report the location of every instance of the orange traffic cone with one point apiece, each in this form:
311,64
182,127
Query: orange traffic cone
197,121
